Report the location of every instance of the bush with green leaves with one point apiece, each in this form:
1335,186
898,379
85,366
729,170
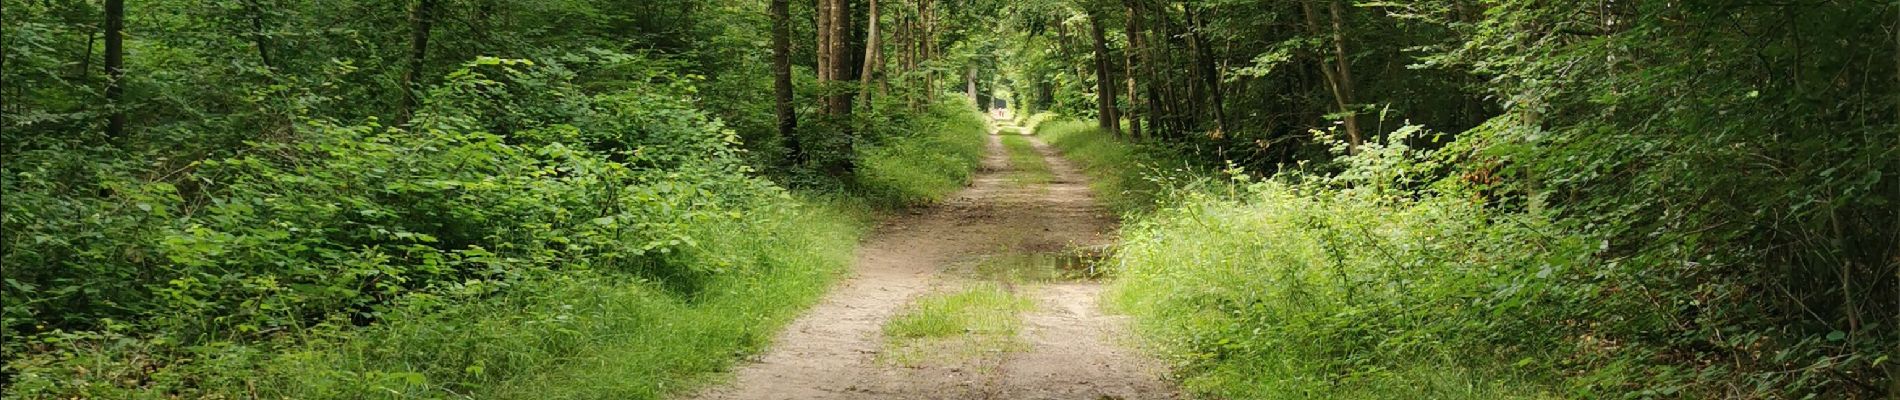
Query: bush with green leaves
522,222
1384,278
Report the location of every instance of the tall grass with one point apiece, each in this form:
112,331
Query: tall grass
1129,178
1273,291
1347,287
931,158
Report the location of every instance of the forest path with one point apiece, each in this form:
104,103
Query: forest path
1067,347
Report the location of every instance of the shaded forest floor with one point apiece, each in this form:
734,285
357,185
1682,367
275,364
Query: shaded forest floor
991,294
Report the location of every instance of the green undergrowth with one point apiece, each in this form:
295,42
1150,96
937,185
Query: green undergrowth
926,159
1314,287
1385,278
615,246
1128,178
1284,292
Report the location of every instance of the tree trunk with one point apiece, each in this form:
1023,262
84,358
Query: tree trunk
115,67
257,32
1159,103
420,19
1338,77
1133,30
782,79
1106,114
85,61
1204,60
969,81
928,43
871,61
823,49
835,67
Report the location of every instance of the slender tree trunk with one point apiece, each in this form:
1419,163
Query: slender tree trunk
1163,96
1337,78
420,19
258,38
834,60
85,62
969,81
115,67
835,67
929,17
1156,103
1212,75
782,79
871,57
908,37
1106,115
1345,73
1133,30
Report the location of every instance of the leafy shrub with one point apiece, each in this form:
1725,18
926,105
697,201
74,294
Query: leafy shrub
523,223
1387,279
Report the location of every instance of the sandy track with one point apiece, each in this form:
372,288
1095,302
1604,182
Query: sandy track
1073,349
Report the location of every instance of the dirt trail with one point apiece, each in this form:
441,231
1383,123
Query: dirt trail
1073,350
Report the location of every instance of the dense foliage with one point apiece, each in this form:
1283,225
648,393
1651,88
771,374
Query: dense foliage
304,203
461,198
1660,199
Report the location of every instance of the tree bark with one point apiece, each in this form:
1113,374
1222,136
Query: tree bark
782,79
969,81
823,49
1106,114
1154,95
929,38
871,57
1209,73
420,19
115,67
835,67
1133,30
1338,76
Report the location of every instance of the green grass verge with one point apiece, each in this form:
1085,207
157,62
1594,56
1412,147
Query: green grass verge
1285,296
1268,291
